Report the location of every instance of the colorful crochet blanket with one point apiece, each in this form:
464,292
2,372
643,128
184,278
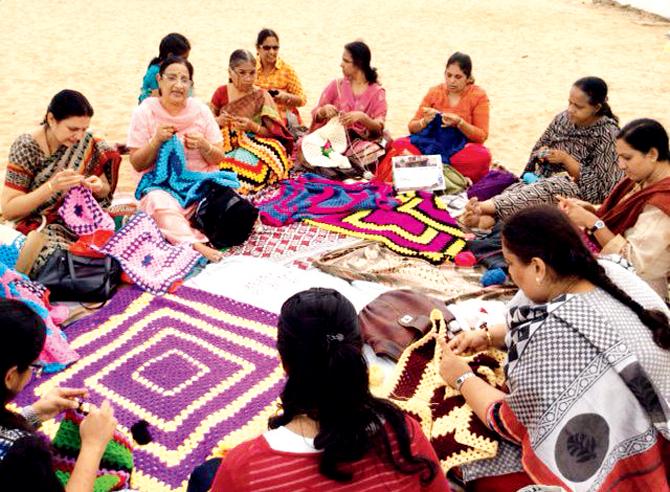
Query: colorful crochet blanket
170,174
56,353
82,213
201,369
310,196
147,258
419,226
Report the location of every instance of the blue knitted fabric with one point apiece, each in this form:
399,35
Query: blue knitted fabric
311,196
9,253
170,174
434,139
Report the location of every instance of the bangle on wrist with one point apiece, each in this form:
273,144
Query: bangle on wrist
458,383
51,187
31,416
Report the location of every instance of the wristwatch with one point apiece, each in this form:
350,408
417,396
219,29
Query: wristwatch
596,227
462,378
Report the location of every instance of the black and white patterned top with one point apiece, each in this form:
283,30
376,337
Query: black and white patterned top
592,146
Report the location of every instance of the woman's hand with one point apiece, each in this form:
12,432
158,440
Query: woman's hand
576,212
245,124
164,133
283,97
98,426
58,400
469,341
451,365
327,111
225,118
352,117
451,119
196,140
429,114
64,180
555,156
94,183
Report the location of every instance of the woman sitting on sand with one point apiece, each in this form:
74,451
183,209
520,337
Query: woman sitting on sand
332,433
588,367
44,164
25,459
278,78
359,101
154,122
255,139
634,220
461,104
575,157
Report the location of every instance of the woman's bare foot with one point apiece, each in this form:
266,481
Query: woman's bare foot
210,254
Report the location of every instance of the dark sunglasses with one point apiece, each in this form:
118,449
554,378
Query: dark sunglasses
268,48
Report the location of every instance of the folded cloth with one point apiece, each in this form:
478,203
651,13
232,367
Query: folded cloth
147,258
170,174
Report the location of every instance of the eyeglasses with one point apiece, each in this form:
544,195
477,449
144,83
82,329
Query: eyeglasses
174,78
248,75
268,48
37,370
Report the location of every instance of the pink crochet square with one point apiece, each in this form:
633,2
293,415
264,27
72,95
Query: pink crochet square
82,213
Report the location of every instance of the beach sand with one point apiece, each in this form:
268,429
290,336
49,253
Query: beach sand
525,55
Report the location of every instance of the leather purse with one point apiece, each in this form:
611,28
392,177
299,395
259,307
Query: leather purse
72,277
396,319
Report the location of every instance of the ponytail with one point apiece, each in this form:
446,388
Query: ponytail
606,110
596,89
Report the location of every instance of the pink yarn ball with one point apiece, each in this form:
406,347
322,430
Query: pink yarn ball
465,259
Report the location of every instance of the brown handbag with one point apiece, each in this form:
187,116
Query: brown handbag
397,318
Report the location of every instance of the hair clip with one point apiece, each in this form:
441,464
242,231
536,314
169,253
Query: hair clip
337,337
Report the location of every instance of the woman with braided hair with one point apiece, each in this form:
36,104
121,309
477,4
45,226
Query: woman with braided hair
588,366
332,433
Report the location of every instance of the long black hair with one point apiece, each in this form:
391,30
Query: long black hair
595,89
545,232
464,62
645,134
327,379
361,57
23,333
173,44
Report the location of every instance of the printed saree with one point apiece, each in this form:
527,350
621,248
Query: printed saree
29,168
258,161
589,391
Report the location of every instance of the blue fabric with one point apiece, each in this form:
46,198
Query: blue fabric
171,175
434,139
149,82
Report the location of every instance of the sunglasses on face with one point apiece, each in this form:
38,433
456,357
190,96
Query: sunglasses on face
268,48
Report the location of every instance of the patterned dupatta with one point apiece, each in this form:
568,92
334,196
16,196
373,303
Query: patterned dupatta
584,409
91,156
260,108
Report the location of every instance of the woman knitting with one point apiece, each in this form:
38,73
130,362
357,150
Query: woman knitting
25,459
332,433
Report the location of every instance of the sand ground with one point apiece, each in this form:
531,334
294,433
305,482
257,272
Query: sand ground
526,54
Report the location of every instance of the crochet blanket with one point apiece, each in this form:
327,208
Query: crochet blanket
147,258
311,196
201,369
419,226
171,174
434,139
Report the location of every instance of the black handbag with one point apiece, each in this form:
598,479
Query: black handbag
224,217
71,277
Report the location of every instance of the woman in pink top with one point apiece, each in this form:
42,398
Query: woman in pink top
332,434
357,99
154,122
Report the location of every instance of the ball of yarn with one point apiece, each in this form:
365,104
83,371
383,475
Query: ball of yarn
465,259
529,178
494,276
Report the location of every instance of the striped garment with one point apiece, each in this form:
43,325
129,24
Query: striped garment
256,466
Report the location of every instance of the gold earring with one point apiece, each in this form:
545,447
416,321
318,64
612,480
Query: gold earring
537,280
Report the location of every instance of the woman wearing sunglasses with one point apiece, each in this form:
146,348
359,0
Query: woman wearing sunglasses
278,77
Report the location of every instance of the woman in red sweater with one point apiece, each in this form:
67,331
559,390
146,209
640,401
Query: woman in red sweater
332,433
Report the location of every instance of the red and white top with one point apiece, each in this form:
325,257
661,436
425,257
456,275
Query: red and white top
266,464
